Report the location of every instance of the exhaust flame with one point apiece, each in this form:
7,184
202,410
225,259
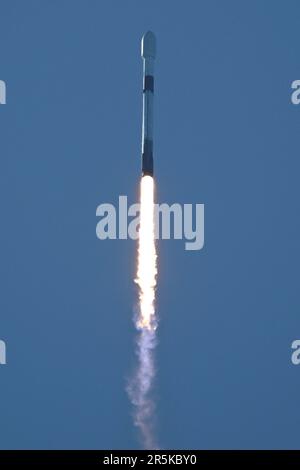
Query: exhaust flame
147,270
146,322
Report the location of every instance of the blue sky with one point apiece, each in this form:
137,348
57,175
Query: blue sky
226,135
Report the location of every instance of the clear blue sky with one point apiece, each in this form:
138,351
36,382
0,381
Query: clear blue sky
226,135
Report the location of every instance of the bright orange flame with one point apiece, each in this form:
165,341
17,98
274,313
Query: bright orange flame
147,269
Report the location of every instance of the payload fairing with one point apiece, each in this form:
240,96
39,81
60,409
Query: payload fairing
148,51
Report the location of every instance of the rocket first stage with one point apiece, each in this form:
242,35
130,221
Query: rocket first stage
148,52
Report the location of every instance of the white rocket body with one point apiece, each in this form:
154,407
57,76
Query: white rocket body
148,52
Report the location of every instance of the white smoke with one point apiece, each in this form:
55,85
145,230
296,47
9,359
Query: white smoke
141,387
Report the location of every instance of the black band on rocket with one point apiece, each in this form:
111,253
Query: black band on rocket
147,158
149,83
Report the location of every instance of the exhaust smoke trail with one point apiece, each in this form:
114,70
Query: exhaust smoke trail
146,321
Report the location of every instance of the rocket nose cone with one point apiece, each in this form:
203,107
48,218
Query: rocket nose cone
148,45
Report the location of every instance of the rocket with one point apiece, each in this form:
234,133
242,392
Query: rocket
148,52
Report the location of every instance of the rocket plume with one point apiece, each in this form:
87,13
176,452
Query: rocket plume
147,270
146,321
